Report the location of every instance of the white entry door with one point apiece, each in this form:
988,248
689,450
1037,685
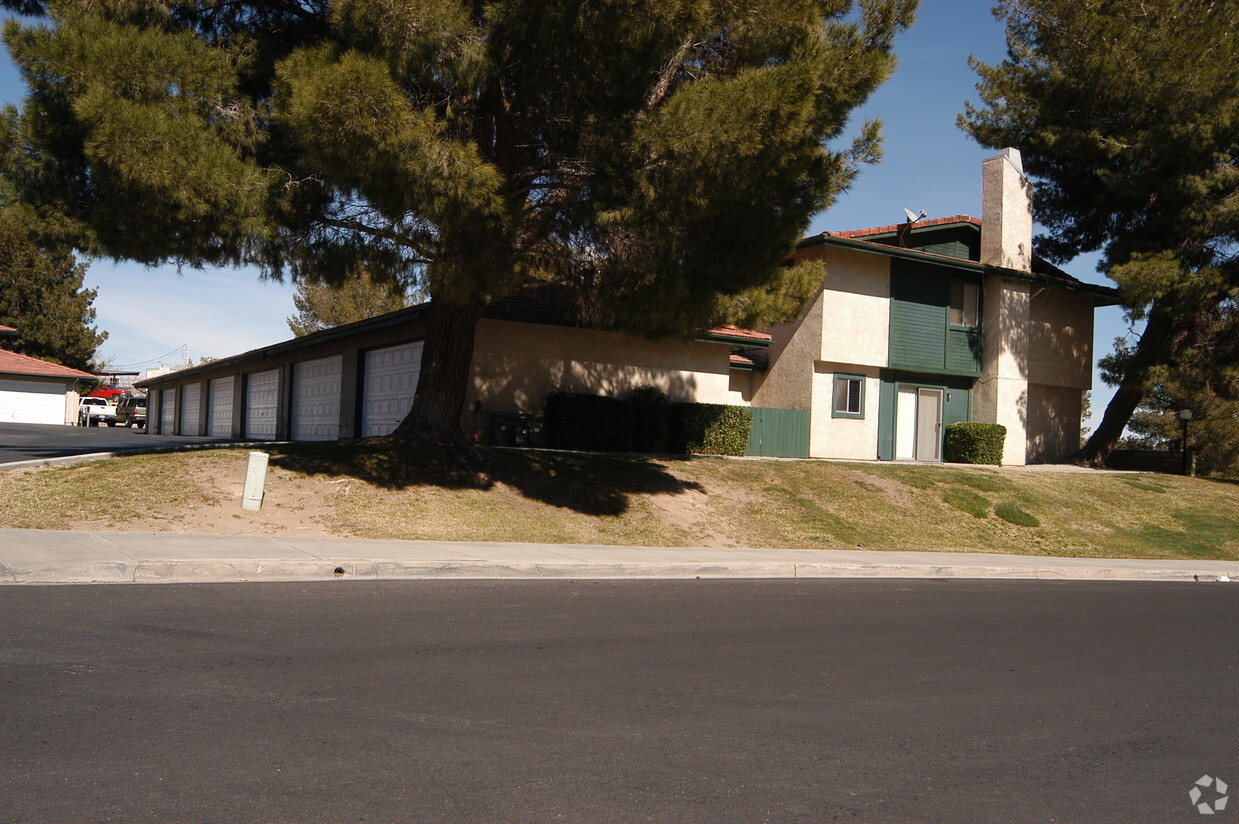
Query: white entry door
928,424
918,424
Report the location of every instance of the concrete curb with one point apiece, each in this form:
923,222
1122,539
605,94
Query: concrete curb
290,570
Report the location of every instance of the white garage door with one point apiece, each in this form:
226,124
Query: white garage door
167,411
219,425
191,409
390,380
316,400
262,397
32,402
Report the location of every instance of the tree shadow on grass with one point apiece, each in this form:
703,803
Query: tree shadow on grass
592,484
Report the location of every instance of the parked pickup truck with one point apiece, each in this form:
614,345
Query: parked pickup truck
94,411
131,411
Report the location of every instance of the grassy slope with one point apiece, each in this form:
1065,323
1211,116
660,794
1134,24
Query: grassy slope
374,490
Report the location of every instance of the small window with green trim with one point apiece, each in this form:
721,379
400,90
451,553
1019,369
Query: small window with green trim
849,397
964,301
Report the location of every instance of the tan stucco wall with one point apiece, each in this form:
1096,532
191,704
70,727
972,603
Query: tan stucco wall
1053,423
515,366
72,399
1001,394
856,311
788,382
1060,338
849,438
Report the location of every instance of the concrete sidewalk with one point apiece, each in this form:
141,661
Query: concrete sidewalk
62,557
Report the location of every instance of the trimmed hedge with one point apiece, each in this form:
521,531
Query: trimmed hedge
974,443
710,428
651,419
588,422
645,422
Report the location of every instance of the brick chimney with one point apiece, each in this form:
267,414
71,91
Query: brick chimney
1006,212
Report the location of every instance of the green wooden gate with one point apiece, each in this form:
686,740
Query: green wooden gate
779,433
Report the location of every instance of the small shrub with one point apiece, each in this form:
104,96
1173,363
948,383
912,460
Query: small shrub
974,443
588,422
1012,514
965,500
711,428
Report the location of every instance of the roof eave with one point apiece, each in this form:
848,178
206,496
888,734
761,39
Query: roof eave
1102,295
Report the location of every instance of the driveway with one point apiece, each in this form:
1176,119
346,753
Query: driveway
32,441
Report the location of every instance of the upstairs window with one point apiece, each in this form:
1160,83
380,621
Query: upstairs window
964,300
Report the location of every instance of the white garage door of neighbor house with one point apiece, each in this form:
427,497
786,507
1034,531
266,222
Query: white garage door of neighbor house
191,409
219,425
167,411
316,399
387,392
262,397
32,402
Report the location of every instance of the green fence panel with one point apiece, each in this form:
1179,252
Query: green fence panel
779,433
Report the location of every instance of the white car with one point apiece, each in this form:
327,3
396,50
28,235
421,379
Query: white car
93,411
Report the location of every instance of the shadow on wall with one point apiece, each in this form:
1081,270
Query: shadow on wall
591,484
511,384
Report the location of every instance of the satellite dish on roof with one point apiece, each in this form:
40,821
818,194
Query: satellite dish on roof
912,216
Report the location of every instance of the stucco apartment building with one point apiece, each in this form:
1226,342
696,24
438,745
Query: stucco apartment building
916,326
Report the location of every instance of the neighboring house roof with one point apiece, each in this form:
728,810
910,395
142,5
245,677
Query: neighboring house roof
12,363
915,242
7,330
729,333
752,359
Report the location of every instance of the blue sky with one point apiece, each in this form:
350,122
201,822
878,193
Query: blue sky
929,164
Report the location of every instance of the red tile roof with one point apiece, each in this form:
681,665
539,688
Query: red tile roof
736,332
920,224
6,330
752,360
12,363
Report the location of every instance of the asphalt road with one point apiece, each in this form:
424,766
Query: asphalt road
31,441
694,701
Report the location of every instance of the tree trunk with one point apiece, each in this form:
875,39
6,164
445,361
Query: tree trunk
447,361
1159,343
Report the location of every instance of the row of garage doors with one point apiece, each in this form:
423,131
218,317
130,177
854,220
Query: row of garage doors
389,379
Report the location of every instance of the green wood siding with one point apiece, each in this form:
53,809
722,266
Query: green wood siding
779,433
951,248
886,420
921,339
963,351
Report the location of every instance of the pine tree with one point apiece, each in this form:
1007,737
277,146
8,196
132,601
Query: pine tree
660,159
323,305
43,298
1205,380
1127,114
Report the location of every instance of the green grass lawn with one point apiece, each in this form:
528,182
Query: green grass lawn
380,489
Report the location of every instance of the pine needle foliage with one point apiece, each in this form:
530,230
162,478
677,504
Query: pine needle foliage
1127,114
42,296
659,158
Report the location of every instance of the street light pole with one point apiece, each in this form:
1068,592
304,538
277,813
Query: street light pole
1185,415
